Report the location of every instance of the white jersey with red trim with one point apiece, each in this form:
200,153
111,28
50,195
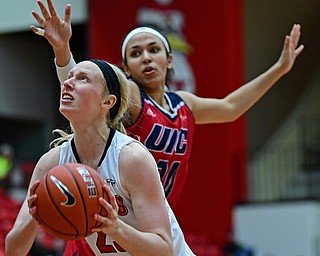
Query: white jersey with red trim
109,169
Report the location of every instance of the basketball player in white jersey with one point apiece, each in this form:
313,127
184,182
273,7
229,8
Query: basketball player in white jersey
140,222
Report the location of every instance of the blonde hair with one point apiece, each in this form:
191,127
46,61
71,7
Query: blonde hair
115,123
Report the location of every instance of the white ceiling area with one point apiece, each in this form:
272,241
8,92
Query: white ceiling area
15,15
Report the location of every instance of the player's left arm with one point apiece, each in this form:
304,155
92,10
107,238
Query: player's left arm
235,104
139,176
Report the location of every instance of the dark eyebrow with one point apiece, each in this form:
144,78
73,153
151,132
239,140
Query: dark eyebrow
153,43
138,46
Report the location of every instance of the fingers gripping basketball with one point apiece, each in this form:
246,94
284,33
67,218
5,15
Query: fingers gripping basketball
68,199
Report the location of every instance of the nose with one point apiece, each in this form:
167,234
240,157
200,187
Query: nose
67,84
146,58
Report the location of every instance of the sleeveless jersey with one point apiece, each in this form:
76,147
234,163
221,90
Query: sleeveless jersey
168,136
100,243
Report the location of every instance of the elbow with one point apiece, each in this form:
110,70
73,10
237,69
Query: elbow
9,247
233,112
13,250
229,118
232,118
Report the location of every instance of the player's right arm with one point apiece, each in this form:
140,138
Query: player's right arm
21,237
58,33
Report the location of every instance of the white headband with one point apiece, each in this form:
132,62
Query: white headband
143,30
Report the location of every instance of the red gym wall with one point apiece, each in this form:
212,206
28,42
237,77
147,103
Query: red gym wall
217,171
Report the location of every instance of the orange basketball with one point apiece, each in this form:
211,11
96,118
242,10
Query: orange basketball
68,199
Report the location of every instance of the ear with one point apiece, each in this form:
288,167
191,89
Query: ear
169,61
126,70
109,102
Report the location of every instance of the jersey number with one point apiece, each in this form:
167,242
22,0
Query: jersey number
107,248
168,175
102,237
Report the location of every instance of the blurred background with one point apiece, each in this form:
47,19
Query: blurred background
254,184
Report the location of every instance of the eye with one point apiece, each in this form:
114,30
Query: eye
84,78
154,50
135,54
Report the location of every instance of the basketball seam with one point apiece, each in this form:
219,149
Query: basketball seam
57,208
82,199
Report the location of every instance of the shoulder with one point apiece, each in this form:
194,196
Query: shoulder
135,100
136,164
47,161
134,90
196,103
134,152
187,97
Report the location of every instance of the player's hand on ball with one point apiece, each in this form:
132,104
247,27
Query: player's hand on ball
110,224
32,199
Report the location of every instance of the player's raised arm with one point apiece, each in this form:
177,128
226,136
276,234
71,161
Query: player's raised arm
235,104
57,31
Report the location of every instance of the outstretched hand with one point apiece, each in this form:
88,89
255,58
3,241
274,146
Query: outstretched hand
57,31
290,49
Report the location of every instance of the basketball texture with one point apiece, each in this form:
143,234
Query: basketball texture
68,199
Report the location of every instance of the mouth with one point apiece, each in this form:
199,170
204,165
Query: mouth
148,70
66,97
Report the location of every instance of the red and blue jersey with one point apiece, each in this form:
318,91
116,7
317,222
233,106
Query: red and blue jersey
168,136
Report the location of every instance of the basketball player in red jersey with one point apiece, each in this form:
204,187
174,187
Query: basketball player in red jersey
164,121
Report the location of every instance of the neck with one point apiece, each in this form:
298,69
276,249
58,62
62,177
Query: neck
154,90
90,144
157,95
160,100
